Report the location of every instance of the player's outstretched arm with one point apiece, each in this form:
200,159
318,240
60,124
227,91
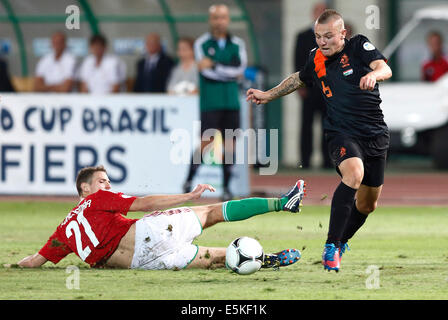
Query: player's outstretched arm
288,85
161,202
380,72
33,261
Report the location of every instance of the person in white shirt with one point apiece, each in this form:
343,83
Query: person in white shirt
55,70
100,73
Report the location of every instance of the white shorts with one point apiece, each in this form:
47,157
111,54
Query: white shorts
163,239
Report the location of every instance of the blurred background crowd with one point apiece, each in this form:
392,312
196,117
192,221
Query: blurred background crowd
147,46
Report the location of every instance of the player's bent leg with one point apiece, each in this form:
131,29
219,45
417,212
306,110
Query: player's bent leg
237,210
209,215
352,171
367,198
366,202
367,195
209,257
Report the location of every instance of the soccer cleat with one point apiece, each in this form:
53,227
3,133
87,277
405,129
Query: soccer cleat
281,259
295,196
330,257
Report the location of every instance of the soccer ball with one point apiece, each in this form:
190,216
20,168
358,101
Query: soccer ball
244,255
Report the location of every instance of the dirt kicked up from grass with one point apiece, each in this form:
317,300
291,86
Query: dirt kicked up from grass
400,253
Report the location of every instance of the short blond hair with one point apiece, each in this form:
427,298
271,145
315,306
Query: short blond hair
327,15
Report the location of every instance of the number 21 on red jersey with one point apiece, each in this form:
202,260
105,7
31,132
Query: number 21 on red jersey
73,228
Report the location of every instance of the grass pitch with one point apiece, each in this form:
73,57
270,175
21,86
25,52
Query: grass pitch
400,253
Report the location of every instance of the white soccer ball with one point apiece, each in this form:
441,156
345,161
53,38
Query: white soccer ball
244,255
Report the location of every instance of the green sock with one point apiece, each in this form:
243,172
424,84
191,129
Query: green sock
236,210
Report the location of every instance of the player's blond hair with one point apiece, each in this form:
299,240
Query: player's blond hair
85,176
328,15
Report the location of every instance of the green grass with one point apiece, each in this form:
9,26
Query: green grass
408,245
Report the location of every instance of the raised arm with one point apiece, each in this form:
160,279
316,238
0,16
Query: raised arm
288,85
161,202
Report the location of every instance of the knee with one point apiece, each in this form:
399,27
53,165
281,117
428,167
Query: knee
354,178
366,207
210,215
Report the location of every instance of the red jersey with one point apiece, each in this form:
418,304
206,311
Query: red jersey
434,69
92,230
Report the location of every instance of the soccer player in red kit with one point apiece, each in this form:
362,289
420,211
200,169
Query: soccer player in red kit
97,231
347,72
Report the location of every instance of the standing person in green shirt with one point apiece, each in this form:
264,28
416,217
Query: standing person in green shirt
221,59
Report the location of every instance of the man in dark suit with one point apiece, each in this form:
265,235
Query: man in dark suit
5,82
154,68
312,101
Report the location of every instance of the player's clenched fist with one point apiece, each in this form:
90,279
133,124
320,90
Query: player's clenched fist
199,189
368,82
257,96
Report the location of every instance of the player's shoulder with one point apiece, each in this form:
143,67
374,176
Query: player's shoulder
309,63
108,194
312,54
358,38
361,41
92,197
102,193
94,200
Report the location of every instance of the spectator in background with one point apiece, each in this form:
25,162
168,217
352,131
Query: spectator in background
184,78
437,65
154,68
5,81
222,59
100,72
312,101
349,30
55,71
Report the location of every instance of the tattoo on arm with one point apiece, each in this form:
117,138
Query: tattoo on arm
287,86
